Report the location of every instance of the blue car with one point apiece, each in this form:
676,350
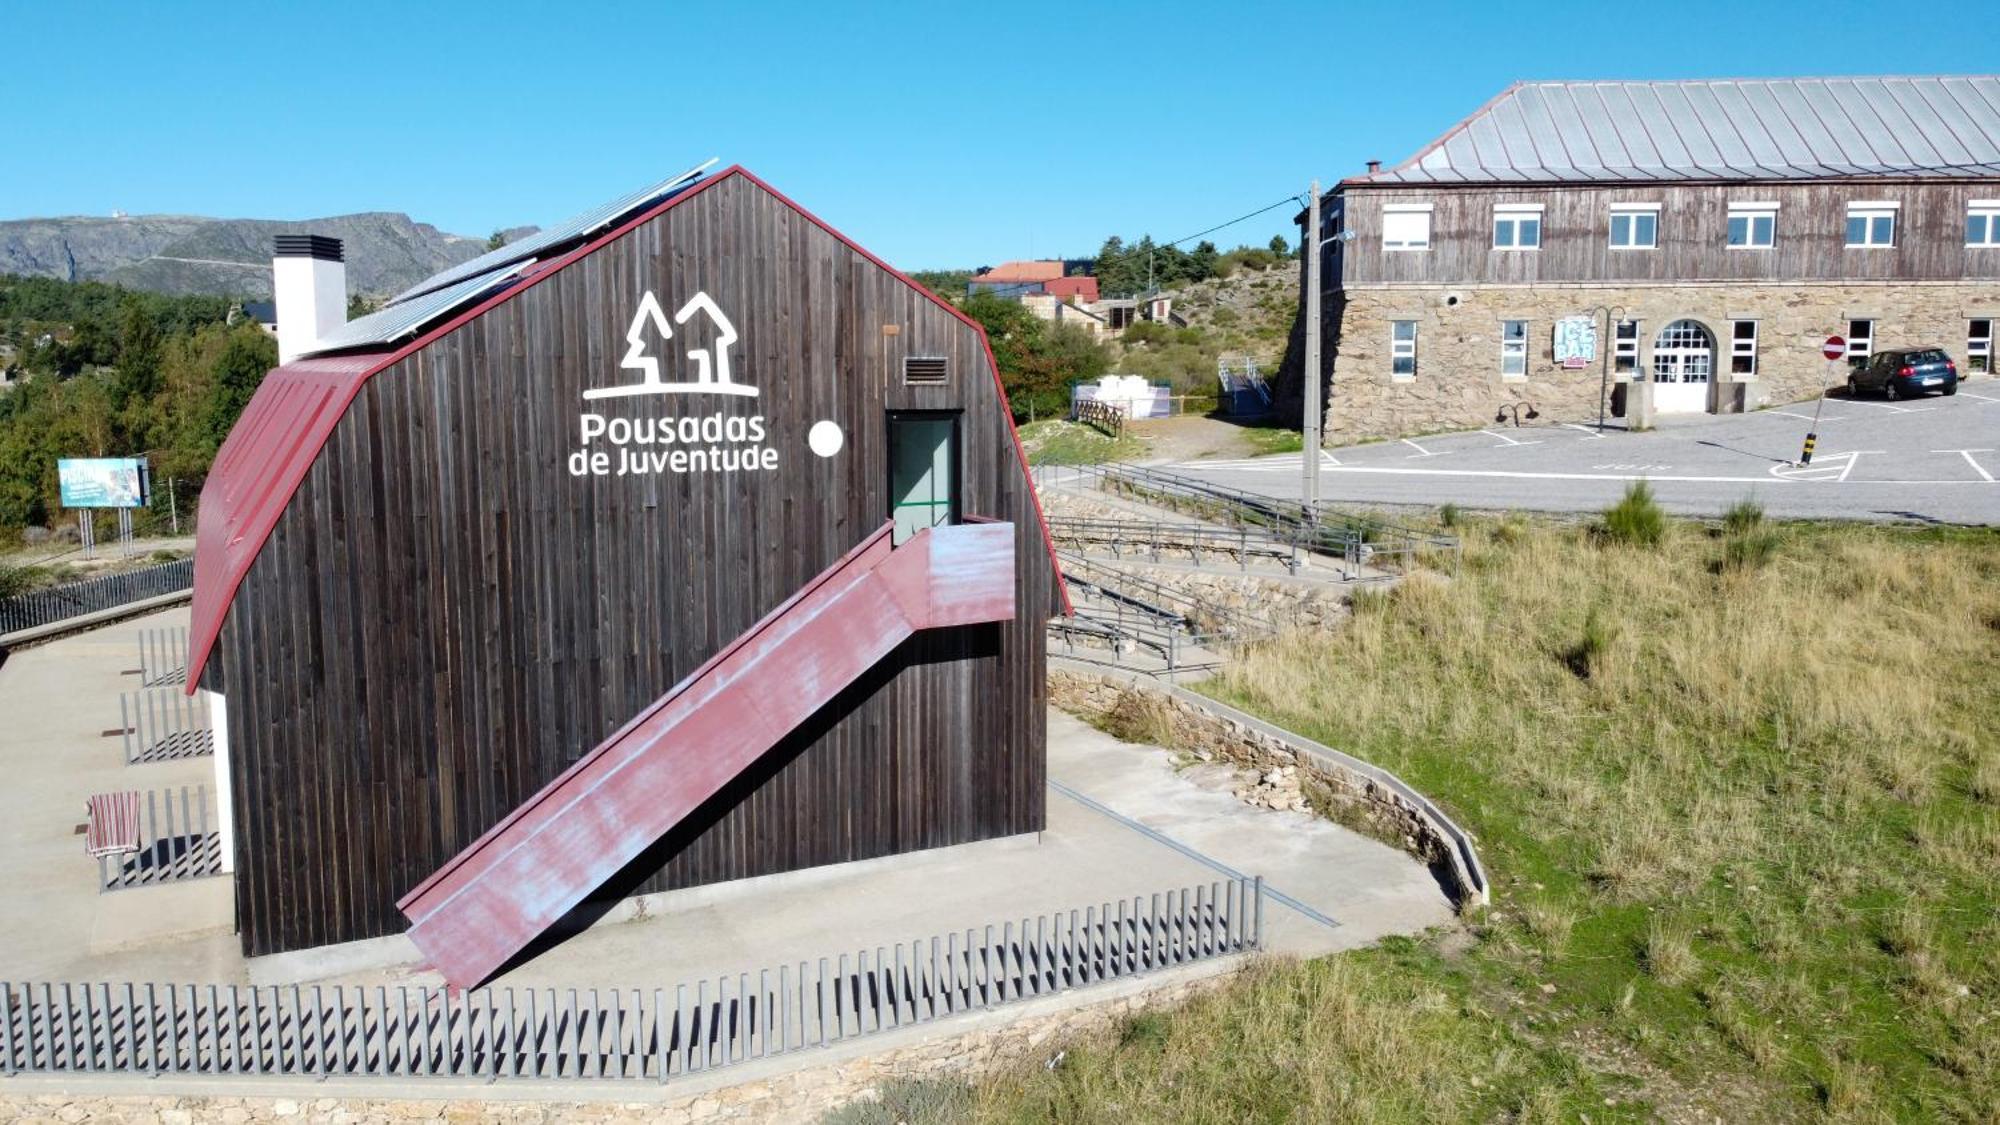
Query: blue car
1905,373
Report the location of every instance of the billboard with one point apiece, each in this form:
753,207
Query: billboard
104,482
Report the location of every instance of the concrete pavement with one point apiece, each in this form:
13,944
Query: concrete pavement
1116,838
1931,460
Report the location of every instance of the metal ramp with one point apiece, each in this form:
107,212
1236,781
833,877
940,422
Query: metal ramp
479,910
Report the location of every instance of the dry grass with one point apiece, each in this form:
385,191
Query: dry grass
1742,806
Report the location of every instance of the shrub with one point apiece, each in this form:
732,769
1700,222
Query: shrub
1449,515
908,1101
1748,552
1636,520
1744,517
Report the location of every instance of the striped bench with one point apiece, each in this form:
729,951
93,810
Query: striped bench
114,824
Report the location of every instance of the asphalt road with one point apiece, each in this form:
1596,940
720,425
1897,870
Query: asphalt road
1930,460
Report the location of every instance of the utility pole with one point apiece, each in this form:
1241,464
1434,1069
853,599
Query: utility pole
1314,414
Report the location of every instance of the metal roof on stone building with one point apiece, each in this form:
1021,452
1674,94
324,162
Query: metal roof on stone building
1720,129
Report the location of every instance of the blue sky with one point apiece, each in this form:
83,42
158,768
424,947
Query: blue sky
938,134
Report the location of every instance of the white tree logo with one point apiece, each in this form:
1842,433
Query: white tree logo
711,369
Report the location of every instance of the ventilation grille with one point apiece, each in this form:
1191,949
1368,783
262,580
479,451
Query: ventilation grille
925,370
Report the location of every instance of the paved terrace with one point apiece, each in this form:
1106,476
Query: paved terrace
1122,821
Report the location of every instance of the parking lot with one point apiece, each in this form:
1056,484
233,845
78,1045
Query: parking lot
1928,460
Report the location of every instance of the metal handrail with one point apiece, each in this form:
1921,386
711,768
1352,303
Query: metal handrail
1358,540
1154,536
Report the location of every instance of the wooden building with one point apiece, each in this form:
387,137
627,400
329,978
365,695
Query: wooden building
1706,236
501,536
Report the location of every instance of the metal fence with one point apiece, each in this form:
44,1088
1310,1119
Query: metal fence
74,599
1126,614
164,724
1359,541
163,656
632,1034
1157,539
176,842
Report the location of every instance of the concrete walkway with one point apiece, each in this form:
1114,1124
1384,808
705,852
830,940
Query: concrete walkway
56,702
1115,838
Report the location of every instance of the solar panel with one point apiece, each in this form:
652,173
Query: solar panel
405,318
532,246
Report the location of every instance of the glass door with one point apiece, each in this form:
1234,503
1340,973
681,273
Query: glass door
923,471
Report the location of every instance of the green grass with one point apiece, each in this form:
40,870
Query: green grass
1273,439
1743,824
1057,442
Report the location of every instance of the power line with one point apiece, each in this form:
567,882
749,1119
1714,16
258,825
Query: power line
1294,200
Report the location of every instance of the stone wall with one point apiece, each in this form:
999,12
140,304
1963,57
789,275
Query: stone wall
1458,383
1344,794
800,1095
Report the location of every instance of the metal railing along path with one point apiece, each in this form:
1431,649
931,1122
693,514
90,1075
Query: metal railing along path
90,595
163,656
1149,538
1359,541
164,724
631,1034
177,841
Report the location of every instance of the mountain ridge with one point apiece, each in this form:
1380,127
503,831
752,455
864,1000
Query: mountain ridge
386,251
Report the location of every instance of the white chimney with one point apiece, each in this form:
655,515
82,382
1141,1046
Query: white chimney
309,286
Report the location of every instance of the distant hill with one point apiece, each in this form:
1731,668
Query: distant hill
182,254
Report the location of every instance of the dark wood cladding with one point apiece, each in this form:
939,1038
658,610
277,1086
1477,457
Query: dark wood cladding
1811,242
444,617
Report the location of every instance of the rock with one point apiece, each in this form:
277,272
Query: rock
285,1107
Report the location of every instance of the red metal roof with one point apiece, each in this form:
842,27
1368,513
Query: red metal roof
294,411
1022,271
1082,288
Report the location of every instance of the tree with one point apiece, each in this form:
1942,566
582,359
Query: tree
496,240
1039,361
359,306
1280,247
139,343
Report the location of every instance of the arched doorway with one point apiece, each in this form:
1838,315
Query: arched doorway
1683,366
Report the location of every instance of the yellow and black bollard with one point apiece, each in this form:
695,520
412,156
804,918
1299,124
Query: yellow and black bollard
1806,457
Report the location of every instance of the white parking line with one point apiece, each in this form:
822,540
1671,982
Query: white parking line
1892,406
1508,440
1833,466
1421,451
1982,398
1594,434
1967,454
1545,476
1807,417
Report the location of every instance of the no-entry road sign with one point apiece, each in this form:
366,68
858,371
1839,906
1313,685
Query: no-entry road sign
1834,348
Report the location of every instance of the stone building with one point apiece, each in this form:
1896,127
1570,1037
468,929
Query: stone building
1569,238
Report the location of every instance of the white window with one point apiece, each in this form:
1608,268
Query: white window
1743,348
1513,349
1871,224
1635,226
1517,226
1860,342
1625,347
1982,222
1403,349
1979,345
1406,226
1752,226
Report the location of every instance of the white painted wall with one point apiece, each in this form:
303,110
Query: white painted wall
225,817
311,295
